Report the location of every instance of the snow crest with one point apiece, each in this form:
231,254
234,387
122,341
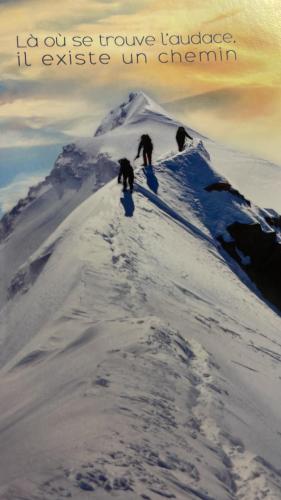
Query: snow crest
137,108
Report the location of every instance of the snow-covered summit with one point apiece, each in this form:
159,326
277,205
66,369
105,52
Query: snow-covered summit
137,108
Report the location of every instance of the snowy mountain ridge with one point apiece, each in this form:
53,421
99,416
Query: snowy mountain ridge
138,107
138,358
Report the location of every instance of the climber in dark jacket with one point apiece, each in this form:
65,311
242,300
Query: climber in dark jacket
180,137
147,147
126,171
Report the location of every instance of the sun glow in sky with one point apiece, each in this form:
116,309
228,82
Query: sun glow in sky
236,102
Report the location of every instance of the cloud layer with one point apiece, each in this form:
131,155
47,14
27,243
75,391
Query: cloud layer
10,195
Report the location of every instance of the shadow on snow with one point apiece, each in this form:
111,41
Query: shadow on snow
151,179
128,204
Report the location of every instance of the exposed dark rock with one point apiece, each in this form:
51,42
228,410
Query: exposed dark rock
218,186
253,241
28,275
7,221
225,186
274,221
83,485
265,257
230,247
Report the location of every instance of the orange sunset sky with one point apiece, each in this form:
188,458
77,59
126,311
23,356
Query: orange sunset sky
238,103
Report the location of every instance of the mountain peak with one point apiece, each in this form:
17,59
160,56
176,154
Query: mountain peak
137,94
137,107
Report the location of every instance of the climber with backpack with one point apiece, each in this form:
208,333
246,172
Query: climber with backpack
147,147
127,172
181,136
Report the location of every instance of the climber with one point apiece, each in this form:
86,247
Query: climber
147,147
126,171
180,137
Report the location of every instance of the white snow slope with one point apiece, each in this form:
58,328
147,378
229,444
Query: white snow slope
137,360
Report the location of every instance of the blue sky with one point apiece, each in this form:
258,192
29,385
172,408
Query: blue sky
21,168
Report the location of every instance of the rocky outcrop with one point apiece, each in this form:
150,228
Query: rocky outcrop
264,253
7,221
225,186
274,221
28,274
